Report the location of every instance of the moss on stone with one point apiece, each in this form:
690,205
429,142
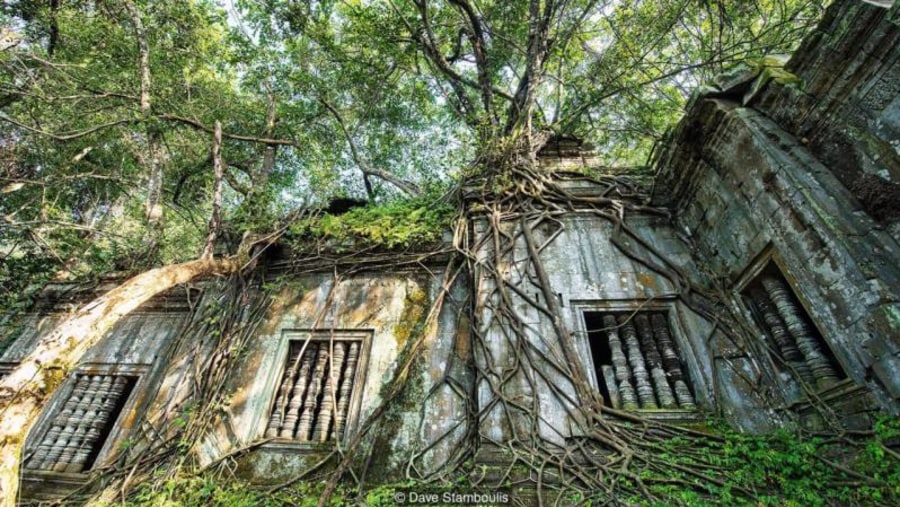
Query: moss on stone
409,397
413,309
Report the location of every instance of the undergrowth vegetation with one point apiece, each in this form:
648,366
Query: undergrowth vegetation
781,469
789,469
193,490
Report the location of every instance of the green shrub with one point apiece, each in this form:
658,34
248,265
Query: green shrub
398,224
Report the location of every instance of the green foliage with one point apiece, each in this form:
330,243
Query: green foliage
639,66
881,464
72,208
402,223
779,462
187,490
20,278
385,495
74,141
781,469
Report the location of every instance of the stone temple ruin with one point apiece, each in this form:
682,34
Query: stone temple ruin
785,199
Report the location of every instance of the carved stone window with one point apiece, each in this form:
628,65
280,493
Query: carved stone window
790,330
78,430
313,401
636,360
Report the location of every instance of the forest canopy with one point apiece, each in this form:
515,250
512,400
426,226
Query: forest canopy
109,108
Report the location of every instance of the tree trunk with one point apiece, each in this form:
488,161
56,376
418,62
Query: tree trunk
153,159
215,217
259,179
25,390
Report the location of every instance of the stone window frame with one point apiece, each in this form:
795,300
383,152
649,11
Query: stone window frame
686,353
364,336
140,372
770,256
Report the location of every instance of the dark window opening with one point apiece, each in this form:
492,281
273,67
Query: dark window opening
790,330
636,361
313,402
78,431
600,351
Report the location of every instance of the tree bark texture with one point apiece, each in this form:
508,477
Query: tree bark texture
215,218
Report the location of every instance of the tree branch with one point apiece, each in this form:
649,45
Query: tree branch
237,137
367,170
428,43
234,183
475,32
68,136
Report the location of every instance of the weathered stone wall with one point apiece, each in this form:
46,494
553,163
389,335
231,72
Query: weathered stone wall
847,112
771,178
132,348
589,273
390,310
